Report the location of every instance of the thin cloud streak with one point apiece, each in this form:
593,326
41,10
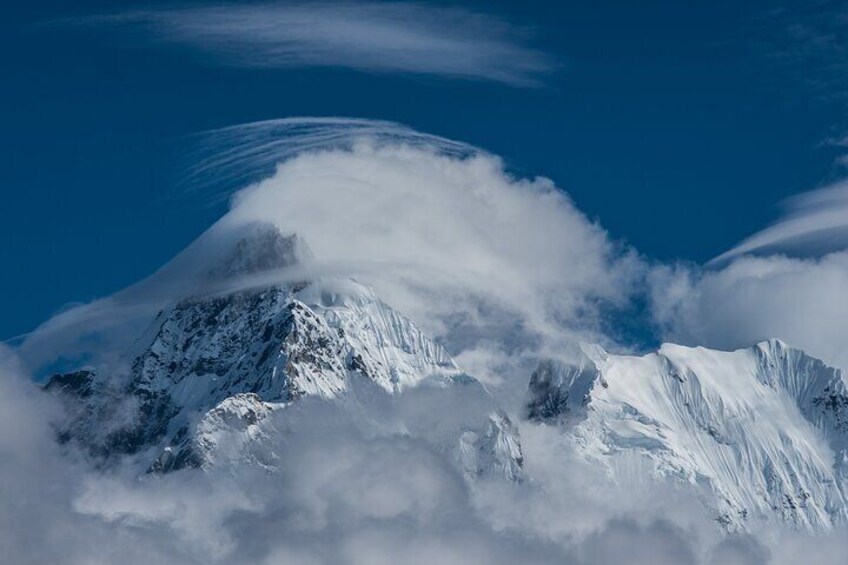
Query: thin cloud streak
375,37
786,281
815,223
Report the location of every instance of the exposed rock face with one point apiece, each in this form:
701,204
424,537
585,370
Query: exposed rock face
560,392
761,432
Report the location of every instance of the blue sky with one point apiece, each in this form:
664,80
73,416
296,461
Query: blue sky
680,126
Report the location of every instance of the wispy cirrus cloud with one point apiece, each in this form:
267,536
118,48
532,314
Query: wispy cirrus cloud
397,37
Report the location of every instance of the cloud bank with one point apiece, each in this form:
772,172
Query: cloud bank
350,489
384,37
814,223
801,301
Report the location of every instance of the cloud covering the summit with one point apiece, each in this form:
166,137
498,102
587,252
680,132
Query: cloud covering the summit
496,267
457,243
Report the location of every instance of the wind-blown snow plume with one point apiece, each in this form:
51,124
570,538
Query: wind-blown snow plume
384,37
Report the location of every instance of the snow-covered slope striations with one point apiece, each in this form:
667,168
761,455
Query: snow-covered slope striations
762,432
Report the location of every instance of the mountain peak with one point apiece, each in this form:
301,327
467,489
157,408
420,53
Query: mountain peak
210,369
260,247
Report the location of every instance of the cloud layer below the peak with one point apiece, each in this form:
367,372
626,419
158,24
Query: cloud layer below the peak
384,37
348,491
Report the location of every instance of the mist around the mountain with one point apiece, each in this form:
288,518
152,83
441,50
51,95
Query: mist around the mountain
499,269
349,490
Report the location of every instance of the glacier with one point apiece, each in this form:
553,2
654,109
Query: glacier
759,433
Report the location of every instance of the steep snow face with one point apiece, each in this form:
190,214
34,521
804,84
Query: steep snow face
761,431
210,370
384,344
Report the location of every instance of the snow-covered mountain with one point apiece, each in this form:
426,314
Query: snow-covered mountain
760,433
201,385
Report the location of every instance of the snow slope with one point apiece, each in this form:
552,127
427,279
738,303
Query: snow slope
761,433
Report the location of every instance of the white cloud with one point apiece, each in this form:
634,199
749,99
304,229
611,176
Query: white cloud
408,37
455,243
498,268
501,269
787,281
801,301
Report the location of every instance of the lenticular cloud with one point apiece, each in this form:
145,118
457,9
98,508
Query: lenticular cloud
815,223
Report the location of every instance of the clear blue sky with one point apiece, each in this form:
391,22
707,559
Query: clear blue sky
680,125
